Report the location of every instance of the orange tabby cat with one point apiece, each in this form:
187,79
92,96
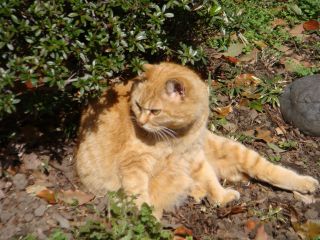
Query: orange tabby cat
149,137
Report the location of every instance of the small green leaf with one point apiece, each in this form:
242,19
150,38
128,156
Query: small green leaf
256,105
296,9
169,15
141,36
140,47
275,148
10,46
73,15
14,19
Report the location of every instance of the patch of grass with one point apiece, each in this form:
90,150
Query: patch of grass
270,215
252,21
274,158
270,90
288,145
242,138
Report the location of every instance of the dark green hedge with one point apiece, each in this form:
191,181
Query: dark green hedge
80,44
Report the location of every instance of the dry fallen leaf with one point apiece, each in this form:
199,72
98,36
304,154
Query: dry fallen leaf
231,59
244,102
178,238
250,225
264,135
282,48
47,195
278,22
29,85
280,131
182,231
227,211
70,197
311,25
234,50
297,30
223,111
250,95
246,79
261,44
261,234
35,189
249,133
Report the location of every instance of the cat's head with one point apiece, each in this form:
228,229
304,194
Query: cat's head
168,96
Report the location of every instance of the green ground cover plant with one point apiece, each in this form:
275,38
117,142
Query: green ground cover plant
122,220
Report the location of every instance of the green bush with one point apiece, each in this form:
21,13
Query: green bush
75,46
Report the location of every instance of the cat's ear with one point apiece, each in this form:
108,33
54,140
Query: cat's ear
175,89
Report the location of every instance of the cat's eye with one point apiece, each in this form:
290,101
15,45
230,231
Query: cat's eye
155,111
138,105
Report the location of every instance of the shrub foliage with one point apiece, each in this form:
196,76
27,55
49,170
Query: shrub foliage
79,44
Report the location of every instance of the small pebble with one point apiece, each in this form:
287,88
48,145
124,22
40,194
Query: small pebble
63,223
28,217
40,211
2,195
5,216
51,222
311,214
20,181
41,235
292,236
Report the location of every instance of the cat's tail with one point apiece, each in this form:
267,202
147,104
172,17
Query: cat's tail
232,161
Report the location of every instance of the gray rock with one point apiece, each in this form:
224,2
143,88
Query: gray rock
5,216
311,214
20,181
28,217
63,223
31,161
300,104
2,195
40,211
292,235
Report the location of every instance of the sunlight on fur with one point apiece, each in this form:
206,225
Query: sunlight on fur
149,137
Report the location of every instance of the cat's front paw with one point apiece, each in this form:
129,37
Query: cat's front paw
307,184
226,196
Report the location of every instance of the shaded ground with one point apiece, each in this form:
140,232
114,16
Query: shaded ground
36,157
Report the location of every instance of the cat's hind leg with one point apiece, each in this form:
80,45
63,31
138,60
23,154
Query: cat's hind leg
231,158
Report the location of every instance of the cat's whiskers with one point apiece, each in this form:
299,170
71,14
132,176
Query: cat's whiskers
156,136
169,132
162,135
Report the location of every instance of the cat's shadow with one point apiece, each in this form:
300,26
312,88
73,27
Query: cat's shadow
99,105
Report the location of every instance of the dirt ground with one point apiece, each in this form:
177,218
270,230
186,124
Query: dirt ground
37,157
